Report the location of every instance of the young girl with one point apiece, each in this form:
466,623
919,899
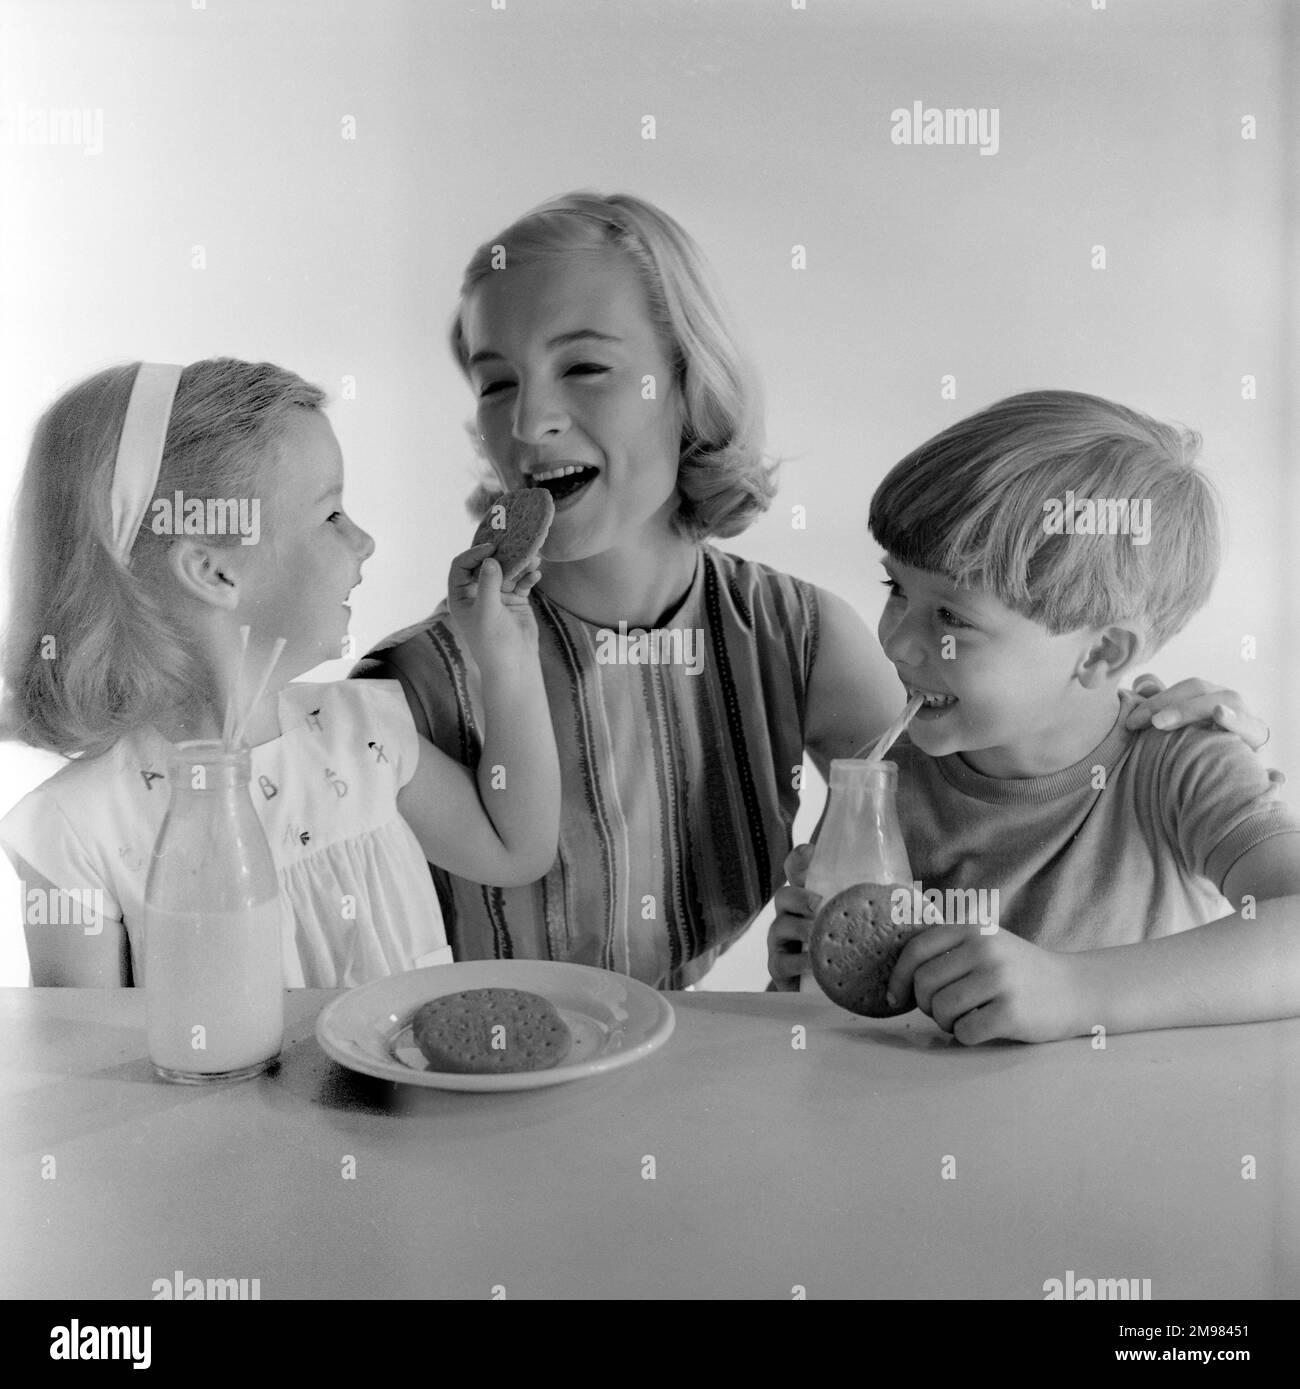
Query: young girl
685,684
125,638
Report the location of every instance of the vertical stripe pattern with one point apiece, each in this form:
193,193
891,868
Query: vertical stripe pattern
677,787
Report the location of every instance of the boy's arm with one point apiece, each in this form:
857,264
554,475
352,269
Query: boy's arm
1221,821
1233,970
87,954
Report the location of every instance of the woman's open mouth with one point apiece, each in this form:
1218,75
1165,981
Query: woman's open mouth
564,481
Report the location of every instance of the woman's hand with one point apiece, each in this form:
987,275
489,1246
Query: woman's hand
981,987
1195,701
496,620
787,937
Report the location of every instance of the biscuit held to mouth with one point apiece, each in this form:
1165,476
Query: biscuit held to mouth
490,1031
518,522
855,944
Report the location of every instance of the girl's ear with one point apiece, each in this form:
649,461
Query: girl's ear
1113,651
204,571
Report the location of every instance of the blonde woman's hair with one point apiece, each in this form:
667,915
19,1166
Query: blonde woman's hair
723,479
90,652
980,503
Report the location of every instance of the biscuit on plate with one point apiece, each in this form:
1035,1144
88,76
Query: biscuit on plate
489,1031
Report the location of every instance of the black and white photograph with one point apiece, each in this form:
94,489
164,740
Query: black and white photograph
649,652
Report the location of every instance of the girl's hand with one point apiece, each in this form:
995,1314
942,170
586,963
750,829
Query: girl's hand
982,987
497,621
1196,701
787,937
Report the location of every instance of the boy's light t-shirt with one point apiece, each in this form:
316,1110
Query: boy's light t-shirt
325,791
1077,867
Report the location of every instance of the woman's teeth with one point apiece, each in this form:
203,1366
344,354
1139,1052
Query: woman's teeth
563,481
936,701
557,472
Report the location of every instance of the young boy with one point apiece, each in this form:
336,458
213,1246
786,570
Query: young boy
1034,552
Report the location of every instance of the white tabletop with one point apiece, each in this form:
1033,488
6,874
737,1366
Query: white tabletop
775,1168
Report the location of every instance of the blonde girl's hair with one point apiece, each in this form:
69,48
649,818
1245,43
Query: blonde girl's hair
723,480
90,652
979,503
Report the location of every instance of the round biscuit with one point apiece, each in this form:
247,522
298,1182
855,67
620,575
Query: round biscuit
855,944
518,522
456,1032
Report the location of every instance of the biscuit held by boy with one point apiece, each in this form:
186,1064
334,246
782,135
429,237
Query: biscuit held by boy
518,521
855,944
486,1031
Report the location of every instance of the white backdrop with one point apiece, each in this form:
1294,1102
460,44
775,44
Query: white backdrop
303,182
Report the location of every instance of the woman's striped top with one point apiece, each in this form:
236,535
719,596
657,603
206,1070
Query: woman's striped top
680,754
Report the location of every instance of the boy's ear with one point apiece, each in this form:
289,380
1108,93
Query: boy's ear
1113,650
204,571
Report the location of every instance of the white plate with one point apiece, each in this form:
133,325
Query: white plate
612,1019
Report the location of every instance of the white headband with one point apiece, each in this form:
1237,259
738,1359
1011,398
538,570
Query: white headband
139,453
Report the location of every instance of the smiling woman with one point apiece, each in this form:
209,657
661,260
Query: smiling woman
605,370
591,412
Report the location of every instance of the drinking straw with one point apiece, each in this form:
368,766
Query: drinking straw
894,731
228,727
279,646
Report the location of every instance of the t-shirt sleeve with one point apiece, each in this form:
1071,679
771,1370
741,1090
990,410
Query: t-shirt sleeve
38,832
1219,801
389,716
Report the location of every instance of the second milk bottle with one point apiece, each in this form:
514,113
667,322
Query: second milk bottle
860,839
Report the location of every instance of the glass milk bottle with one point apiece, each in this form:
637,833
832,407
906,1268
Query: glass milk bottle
860,840
213,978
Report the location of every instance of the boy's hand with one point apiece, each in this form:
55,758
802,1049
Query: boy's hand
497,621
787,937
1196,701
984,987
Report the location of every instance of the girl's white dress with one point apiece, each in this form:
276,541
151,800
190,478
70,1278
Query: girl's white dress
362,898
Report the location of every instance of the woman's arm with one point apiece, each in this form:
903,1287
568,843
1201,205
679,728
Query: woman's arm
854,691
88,953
